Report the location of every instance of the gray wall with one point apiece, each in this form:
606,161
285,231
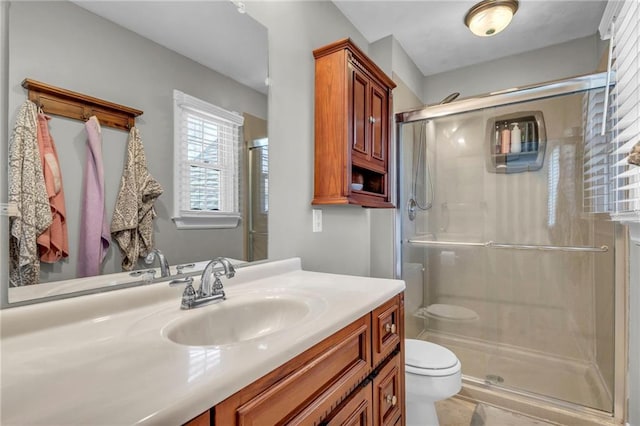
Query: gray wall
295,30
91,55
576,57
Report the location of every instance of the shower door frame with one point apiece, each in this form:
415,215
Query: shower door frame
523,401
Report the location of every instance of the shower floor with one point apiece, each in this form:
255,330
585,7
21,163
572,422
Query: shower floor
515,369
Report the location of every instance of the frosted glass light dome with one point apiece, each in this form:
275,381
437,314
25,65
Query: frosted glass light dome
489,17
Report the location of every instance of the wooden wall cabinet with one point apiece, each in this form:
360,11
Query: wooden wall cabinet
336,382
353,107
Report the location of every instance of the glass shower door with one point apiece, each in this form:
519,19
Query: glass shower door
503,263
258,201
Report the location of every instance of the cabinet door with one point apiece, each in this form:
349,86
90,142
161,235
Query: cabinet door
356,411
360,123
378,120
387,393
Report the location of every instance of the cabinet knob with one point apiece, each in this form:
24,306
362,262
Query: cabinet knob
390,328
372,120
391,399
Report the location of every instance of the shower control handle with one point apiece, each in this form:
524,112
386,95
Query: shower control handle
390,328
391,399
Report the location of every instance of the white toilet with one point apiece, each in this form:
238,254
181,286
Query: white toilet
432,373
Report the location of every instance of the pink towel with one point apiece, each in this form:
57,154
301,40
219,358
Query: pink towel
94,229
53,243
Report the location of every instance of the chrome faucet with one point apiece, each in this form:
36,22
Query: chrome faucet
210,289
165,271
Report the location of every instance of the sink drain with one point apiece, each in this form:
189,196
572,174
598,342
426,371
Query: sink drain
493,379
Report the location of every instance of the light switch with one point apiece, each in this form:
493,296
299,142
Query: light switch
317,220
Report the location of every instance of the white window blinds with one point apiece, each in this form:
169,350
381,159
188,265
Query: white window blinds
625,96
206,144
597,185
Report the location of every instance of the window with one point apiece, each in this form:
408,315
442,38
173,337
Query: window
596,166
206,152
264,177
621,23
264,170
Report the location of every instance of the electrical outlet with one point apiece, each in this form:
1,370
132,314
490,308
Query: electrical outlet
317,220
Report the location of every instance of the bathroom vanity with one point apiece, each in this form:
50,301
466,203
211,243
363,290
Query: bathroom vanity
286,345
357,374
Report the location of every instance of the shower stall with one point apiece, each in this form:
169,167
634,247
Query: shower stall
507,251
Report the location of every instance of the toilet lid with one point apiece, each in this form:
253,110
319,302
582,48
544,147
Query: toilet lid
427,355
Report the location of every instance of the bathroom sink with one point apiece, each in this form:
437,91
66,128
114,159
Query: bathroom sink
241,318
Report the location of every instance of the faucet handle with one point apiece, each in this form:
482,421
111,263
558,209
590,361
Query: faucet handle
177,282
217,285
139,272
150,257
188,297
179,268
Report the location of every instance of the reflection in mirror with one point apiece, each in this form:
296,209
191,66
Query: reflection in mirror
134,54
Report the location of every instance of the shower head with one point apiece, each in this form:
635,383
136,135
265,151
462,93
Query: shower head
452,97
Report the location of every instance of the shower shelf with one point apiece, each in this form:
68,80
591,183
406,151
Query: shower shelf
494,245
533,137
514,157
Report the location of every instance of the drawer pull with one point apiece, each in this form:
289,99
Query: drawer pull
391,399
390,328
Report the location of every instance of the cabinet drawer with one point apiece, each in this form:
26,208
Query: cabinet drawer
355,411
387,326
387,393
307,391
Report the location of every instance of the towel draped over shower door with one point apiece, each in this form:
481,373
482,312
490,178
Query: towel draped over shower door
94,229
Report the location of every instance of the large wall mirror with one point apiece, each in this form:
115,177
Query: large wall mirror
136,53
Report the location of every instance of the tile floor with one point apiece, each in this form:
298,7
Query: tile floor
459,412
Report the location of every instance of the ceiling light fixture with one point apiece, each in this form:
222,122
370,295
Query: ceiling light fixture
489,17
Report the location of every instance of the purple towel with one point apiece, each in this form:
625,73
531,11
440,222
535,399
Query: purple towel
94,229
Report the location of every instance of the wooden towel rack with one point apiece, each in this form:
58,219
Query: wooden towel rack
56,101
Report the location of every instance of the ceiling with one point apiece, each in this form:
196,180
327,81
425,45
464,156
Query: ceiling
433,34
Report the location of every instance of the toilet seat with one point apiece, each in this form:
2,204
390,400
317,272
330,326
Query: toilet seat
429,359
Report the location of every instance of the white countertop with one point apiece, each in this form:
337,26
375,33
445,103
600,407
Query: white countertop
63,287
103,359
